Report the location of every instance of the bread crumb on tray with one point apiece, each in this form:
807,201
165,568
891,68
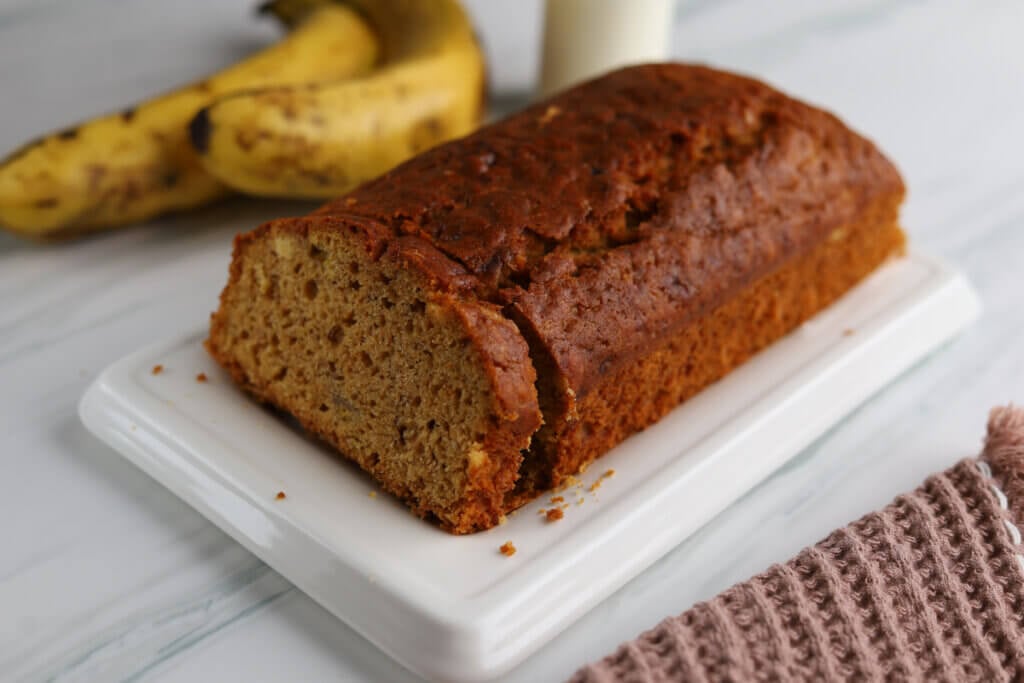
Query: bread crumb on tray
554,514
597,482
201,377
157,369
280,495
507,549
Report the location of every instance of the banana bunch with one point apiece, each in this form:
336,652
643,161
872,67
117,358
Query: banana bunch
355,87
322,140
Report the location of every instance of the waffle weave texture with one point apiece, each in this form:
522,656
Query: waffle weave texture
931,588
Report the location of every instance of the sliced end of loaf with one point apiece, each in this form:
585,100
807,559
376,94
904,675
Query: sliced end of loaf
347,330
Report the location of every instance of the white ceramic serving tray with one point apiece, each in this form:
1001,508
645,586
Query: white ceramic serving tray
454,608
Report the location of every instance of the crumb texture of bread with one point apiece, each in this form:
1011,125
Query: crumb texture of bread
359,348
480,323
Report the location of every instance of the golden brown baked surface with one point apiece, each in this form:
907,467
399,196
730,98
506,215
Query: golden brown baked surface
638,394
596,258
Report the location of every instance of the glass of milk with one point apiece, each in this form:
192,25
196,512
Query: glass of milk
585,38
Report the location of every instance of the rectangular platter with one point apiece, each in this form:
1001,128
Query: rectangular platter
454,608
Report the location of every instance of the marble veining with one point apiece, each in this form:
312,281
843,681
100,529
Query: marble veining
106,576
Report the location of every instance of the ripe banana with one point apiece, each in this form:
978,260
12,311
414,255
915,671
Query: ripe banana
138,163
321,140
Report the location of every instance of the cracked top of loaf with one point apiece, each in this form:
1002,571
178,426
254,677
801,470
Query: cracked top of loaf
623,209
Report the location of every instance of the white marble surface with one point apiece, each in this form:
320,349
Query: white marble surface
106,576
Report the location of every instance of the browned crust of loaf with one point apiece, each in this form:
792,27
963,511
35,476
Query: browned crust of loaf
638,395
652,204
501,350
616,213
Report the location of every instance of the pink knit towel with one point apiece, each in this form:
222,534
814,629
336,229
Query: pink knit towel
931,588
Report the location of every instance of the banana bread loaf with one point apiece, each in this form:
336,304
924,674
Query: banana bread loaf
489,317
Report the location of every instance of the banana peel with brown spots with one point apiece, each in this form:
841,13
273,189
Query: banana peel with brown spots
322,139
135,164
